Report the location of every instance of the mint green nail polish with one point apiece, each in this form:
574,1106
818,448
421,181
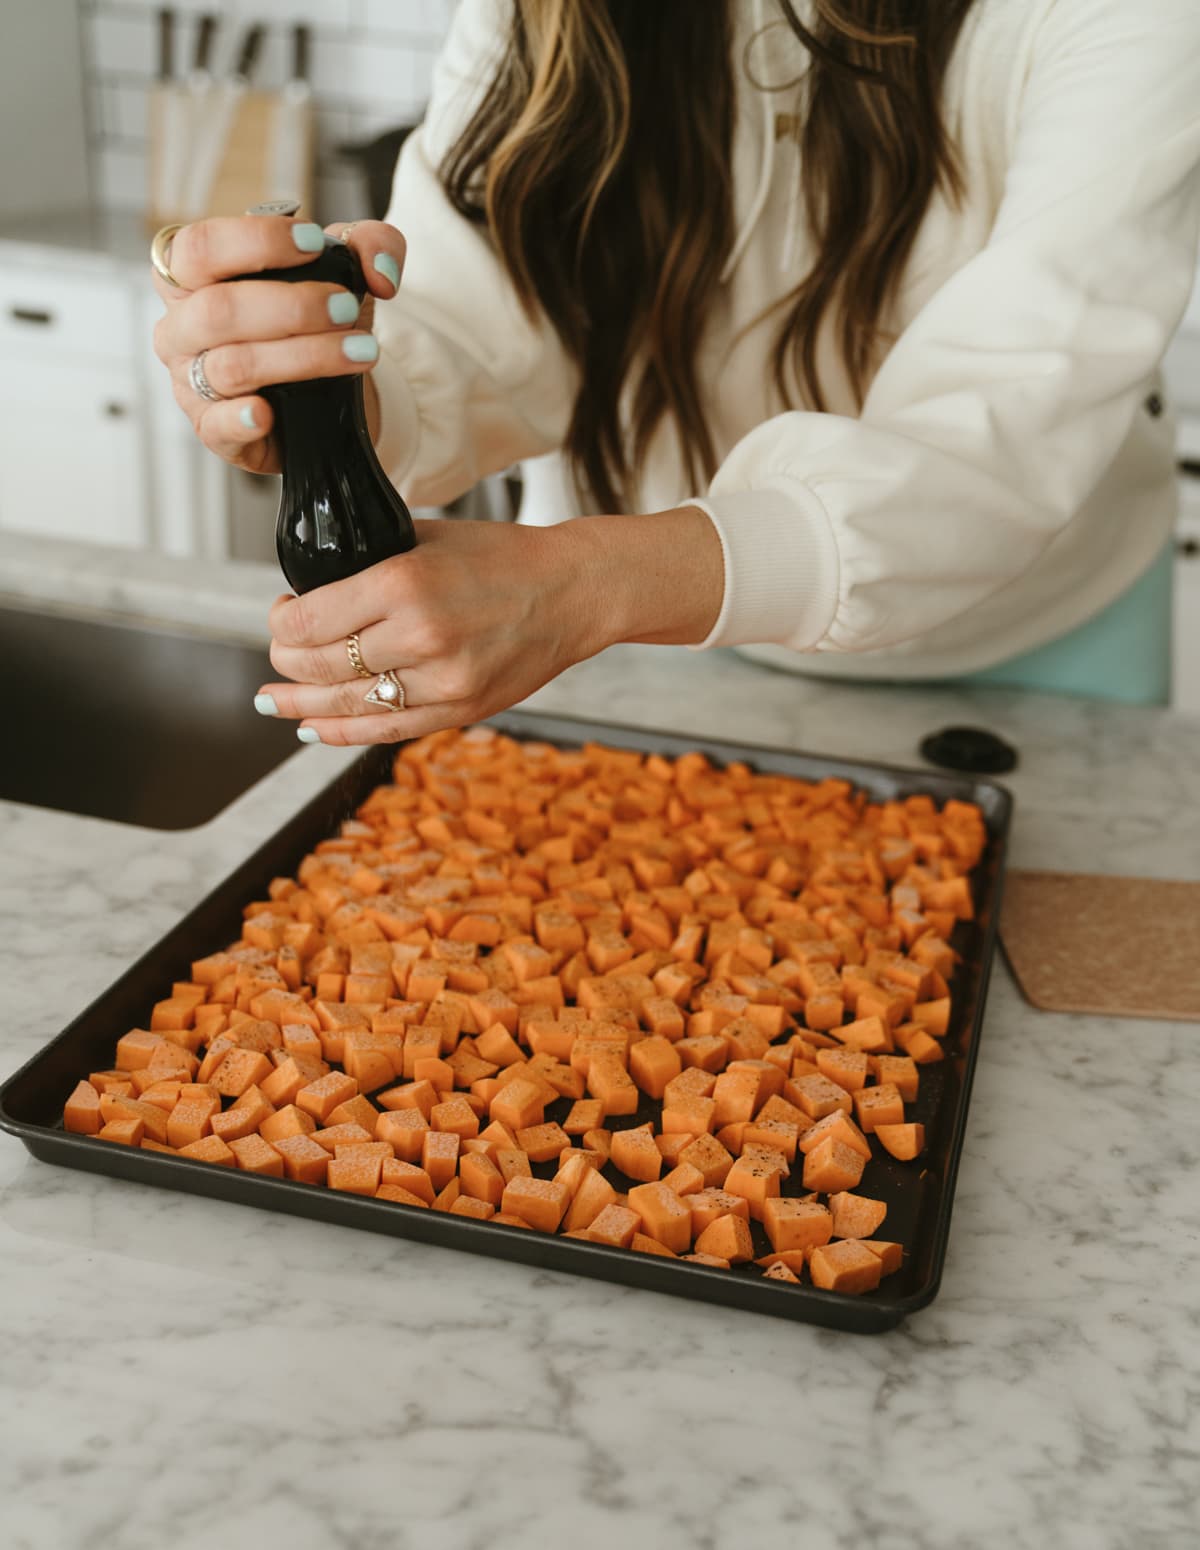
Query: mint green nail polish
342,308
265,705
360,347
246,416
389,269
309,238
307,735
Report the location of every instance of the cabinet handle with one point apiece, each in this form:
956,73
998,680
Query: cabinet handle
1189,467
116,411
31,315
1187,548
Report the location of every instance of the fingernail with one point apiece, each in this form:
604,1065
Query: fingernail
343,308
246,416
389,269
360,347
308,237
307,735
265,705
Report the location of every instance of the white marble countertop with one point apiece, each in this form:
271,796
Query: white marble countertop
180,1371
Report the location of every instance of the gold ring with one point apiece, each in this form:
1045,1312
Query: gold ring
160,247
354,652
388,692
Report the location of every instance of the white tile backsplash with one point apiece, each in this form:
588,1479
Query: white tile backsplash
371,68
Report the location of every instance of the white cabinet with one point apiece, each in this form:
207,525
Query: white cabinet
73,453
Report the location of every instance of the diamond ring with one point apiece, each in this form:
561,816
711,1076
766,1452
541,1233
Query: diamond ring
387,691
199,383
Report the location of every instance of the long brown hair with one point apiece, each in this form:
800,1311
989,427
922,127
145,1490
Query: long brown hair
600,161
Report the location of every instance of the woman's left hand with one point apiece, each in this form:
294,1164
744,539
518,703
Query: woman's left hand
481,614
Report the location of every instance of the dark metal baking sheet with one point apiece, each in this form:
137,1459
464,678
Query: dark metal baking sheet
919,1196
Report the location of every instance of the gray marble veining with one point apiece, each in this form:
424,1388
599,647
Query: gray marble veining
178,1371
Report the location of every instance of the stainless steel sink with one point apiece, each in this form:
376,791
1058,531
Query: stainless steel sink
141,724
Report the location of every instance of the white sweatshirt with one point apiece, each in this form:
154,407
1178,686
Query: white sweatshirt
1011,471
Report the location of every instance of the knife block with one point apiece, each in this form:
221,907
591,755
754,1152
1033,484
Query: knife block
267,152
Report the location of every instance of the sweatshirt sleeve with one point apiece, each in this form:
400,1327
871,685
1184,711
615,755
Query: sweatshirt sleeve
468,383
1001,405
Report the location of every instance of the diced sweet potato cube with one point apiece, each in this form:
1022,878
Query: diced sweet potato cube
513,1163
793,1259
780,1272
635,1154
356,1171
127,1130
608,1080
586,1114
856,1216
714,1261
400,1196
209,1149
833,1166
796,1224
890,1255
592,1195
689,1115
190,1120
653,1062
286,1122
455,1114
684,1179
880,1105
847,1266
932,1016
411,1095
482,1179
644,1245
254,1155
903,1141
773,1133
406,1130
239,1070
665,1217
81,1114
835,1124
710,1158
818,1096
444,1200
303,1159
755,1179
901,1071
519,1105
135,1048
470,1205
727,1238
707,1205
735,1097
233,1125
319,1098
847,1067
615,1225
439,1156
543,1142
409,1177
540,1202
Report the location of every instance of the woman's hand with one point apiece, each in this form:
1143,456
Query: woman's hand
481,614
261,332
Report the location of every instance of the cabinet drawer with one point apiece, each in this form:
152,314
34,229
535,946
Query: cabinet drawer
47,312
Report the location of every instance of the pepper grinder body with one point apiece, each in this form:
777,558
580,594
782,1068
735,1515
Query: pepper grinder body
338,511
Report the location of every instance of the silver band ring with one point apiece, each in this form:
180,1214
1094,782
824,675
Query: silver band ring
387,692
344,234
354,652
199,383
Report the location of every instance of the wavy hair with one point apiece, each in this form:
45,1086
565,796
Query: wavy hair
599,160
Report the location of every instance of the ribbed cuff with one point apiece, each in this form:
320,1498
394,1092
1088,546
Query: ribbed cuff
781,567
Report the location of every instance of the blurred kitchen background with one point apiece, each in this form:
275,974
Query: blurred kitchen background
116,118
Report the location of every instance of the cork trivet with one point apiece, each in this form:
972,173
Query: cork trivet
1117,946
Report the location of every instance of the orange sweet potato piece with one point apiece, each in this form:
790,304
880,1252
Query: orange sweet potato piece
684,1179
836,1124
709,1158
406,1130
593,1195
665,1217
409,1177
846,1266
319,1098
544,1142
796,1224
400,1196
210,1149
81,1114
518,1105
832,1166
641,1244
727,1238
254,1155
540,1202
780,1272
284,1123
880,1105
904,1141
707,1205
303,1159
355,1171
890,1255
128,1130
855,1216
616,1225
653,1062
635,1154
482,1179
439,1156
240,1070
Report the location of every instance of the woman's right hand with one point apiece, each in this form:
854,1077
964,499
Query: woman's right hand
257,332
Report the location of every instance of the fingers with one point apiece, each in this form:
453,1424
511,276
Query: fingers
380,249
251,311
238,430
303,702
235,370
380,649
227,246
325,617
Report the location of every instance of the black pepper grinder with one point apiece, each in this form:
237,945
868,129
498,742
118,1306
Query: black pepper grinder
338,511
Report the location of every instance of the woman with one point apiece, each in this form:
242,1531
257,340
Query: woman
854,306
